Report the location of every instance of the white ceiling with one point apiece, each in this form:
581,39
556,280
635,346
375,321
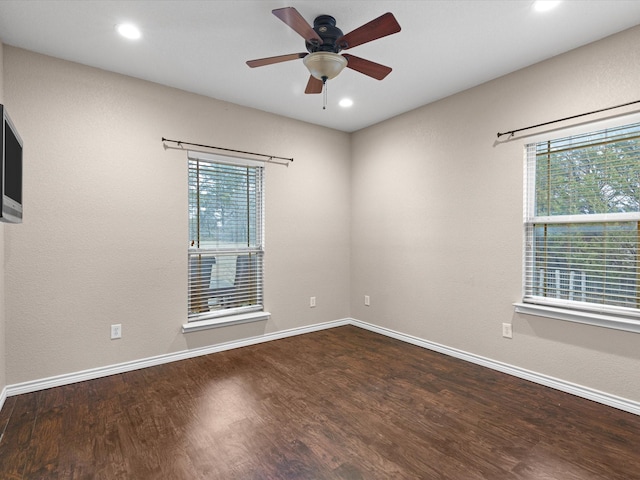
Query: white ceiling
201,46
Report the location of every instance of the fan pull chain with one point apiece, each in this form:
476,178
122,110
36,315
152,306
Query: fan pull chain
324,89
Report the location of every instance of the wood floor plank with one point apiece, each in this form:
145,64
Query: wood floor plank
343,403
44,447
15,446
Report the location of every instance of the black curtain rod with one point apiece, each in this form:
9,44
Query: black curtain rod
511,132
180,142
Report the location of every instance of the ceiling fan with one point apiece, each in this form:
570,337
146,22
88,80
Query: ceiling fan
324,42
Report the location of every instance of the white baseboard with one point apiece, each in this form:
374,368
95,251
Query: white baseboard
3,397
568,387
66,379
564,386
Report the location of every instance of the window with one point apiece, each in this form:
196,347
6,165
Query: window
226,236
582,223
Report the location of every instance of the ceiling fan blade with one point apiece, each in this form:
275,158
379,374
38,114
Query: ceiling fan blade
261,62
314,85
292,17
372,69
380,27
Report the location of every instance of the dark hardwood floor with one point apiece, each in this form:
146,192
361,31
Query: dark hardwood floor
337,404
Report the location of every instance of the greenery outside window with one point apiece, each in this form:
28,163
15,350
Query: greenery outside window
582,222
226,236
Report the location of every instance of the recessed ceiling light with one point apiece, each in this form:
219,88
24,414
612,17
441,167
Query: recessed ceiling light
128,30
545,5
346,102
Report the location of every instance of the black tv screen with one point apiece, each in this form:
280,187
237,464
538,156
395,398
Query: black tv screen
11,172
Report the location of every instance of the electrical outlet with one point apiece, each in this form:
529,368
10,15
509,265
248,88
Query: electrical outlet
312,302
116,331
367,300
507,330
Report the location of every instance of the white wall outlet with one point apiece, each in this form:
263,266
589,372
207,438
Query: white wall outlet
367,300
312,302
116,331
507,330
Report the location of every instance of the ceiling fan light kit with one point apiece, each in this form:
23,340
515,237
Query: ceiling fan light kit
324,42
324,65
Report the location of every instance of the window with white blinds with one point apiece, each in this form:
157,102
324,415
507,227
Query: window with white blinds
226,236
582,222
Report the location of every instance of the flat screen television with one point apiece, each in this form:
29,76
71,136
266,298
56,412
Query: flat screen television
11,172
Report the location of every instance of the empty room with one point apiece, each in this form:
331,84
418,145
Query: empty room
320,240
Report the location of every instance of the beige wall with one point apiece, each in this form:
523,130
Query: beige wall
104,237
437,219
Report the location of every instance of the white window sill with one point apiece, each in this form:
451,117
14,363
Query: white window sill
224,321
577,316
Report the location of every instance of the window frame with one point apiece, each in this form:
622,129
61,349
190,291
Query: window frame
232,315
620,318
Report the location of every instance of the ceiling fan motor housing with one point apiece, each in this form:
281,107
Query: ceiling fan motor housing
325,27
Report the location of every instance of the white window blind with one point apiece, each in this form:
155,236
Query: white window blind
226,236
582,222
